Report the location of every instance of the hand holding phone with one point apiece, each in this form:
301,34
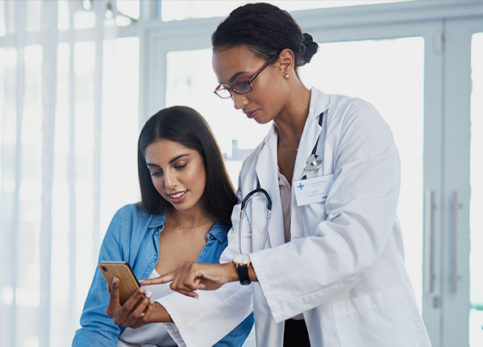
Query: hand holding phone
128,281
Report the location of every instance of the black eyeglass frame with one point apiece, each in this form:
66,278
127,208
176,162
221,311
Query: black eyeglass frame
232,90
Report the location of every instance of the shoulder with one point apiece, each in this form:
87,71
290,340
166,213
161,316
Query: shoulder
346,110
127,231
131,212
133,217
353,117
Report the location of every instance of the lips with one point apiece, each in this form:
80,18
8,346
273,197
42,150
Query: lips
252,114
177,197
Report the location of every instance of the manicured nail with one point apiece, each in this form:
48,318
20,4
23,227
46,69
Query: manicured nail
115,280
148,294
142,290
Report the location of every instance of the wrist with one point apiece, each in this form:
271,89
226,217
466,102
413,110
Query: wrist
232,275
242,264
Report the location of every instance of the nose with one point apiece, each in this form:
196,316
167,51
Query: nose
170,180
239,101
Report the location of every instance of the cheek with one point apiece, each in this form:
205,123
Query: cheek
198,178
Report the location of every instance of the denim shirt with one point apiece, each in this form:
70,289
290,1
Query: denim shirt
133,237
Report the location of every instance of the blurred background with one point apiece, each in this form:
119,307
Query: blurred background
78,78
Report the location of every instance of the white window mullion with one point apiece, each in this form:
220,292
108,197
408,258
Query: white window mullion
49,94
99,7
19,15
72,170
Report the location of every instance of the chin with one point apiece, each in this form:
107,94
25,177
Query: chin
262,120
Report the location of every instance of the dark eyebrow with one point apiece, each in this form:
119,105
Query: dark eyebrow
171,161
236,75
177,157
154,165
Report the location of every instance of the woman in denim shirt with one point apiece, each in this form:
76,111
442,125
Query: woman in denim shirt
184,215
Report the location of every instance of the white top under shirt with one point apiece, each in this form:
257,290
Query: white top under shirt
285,195
153,334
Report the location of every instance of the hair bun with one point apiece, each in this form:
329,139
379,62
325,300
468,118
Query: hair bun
311,48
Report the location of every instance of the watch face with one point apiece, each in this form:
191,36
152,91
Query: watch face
242,259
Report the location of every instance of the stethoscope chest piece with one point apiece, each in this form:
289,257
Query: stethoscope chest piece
313,162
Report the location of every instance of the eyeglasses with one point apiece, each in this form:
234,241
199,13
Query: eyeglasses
226,92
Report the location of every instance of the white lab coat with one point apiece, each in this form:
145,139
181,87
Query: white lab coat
343,268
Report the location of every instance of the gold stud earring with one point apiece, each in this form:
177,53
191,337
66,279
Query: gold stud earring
286,76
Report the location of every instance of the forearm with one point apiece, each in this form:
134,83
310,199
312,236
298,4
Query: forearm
159,314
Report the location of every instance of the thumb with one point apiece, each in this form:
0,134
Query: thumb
167,277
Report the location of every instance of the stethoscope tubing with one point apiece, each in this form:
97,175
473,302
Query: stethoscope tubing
243,209
260,190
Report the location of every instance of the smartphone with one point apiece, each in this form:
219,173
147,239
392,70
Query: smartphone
129,283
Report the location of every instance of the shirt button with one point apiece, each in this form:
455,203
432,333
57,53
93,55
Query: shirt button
212,237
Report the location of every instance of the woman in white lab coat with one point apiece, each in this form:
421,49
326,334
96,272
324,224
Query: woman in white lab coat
327,265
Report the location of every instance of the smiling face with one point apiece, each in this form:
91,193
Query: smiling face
238,64
177,172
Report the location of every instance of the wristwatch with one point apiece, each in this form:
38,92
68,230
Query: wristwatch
242,261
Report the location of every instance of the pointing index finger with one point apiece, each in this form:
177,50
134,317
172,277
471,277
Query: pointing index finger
168,277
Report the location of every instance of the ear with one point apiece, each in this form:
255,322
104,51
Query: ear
286,61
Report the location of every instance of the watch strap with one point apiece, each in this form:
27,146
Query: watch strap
242,270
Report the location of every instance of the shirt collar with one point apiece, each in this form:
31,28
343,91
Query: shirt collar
218,231
157,220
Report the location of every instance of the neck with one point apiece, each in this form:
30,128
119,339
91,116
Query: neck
193,218
291,121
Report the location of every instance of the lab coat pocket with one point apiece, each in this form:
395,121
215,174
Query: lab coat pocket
376,319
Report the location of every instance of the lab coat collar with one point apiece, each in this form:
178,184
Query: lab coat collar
318,103
267,164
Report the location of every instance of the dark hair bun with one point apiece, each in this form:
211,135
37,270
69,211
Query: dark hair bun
266,30
311,48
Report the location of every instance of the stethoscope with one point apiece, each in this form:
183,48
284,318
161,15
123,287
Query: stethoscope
312,163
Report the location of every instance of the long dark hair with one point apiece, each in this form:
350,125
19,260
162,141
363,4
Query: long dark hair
266,30
186,126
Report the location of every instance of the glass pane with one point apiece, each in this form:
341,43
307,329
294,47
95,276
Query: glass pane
28,250
3,30
61,309
476,204
190,82
84,140
120,121
382,72
32,17
8,139
184,9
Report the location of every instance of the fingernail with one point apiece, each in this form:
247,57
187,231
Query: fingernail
115,280
202,286
142,290
148,294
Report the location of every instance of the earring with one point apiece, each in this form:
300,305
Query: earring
286,76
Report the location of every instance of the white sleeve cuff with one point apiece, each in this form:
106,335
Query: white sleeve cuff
206,320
